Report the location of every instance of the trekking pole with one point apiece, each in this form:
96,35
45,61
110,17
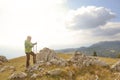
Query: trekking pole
36,48
33,49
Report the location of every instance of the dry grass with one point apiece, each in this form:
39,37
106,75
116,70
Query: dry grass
65,56
88,73
110,61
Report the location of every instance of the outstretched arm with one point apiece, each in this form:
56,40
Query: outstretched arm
34,43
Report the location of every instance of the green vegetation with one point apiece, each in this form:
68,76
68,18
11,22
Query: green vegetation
118,56
94,53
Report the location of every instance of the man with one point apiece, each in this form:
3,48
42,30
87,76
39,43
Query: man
28,51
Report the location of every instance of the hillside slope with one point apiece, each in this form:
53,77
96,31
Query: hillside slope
103,49
91,72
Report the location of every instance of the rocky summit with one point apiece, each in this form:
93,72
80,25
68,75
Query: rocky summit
53,66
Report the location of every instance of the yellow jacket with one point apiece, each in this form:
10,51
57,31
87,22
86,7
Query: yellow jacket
28,46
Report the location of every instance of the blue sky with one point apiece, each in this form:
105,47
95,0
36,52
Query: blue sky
57,24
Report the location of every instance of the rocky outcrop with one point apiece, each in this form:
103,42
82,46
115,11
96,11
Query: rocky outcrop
34,68
50,57
3,58
6,68
82,60
79,59
46,54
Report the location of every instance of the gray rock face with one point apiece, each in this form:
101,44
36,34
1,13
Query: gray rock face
50,57
46,54
82,60
18,76
116,66
3,58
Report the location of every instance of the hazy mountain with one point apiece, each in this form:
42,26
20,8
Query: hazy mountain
104,48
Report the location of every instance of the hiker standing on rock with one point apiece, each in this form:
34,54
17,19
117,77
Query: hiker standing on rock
28,51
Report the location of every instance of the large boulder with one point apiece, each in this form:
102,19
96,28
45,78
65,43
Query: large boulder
3,58
46,54
81,60
50,57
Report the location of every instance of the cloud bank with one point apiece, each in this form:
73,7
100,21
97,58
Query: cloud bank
92,24
88,17
110,29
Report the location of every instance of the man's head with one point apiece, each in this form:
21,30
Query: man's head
29,38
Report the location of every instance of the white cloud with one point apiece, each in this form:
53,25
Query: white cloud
88,17
44,21
110,29
92,24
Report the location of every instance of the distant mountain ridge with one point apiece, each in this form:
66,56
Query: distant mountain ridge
103,48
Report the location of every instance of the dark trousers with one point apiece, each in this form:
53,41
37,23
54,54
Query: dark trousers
28,58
